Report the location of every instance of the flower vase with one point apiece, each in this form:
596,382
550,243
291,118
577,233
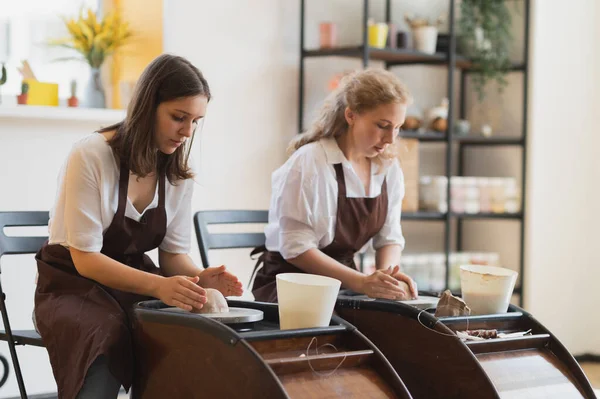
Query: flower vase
93,96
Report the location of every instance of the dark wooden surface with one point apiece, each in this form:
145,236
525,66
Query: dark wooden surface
431,365
174,361
509,344
182,357
355,382
351,368
533,373
322,361
511,359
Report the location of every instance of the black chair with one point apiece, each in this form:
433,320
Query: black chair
10,245
208,241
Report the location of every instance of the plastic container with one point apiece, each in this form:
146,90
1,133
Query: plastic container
485,195
487,289
425,39
327,34
457,194
456,260
305,300
498,197
511,195
433,193
421,272
471,195
438,272
378,34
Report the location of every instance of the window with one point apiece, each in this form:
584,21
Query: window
25,28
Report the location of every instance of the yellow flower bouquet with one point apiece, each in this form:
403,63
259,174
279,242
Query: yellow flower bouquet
93,39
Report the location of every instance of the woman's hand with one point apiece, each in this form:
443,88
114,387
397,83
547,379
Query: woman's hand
381,284
220,279
389,283
181,291
408,284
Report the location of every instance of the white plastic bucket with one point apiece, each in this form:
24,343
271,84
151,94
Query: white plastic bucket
487,289
305,300
425,39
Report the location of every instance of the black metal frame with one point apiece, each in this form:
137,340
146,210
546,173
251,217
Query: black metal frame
18,246
208,241
396,57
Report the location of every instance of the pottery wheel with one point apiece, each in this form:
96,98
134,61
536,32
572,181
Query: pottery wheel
234,316
421,303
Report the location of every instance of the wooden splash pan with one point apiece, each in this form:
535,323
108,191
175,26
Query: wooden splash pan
435,363
183,355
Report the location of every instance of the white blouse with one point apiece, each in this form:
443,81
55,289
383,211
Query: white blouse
88,196
303,209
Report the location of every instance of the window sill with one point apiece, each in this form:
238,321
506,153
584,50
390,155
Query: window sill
61,113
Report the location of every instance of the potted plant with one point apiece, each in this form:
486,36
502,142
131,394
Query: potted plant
22,98
95,40
425,32
484,37
73,101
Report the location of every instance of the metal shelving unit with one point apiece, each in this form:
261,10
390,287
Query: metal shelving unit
453,62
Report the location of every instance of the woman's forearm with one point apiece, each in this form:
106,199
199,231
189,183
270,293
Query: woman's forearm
315,261
387,256
113,274
177,264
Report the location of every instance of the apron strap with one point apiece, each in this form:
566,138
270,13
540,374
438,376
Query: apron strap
341,181
161,190
123,187
262,250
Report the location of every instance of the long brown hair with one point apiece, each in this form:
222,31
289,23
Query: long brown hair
167,77
361,91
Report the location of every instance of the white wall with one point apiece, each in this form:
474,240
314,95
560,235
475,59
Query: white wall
564,172
247,51
31,154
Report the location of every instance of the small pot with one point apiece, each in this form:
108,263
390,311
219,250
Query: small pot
22,99
327,34
425,39
403,40
73,102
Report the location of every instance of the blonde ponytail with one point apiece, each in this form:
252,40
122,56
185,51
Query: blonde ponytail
361,91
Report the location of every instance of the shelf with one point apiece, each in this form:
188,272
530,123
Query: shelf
394,57
515,67
423,136
433,136
423,215
34,112
428,215
504,216
390,56
489,141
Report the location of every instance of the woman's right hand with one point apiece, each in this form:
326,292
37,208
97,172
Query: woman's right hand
381,284
182,291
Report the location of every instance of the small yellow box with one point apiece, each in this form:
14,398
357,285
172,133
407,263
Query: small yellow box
42,93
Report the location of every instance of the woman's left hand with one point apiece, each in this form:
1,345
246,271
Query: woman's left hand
395,272
220,279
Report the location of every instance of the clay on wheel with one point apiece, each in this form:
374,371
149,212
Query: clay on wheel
406,289
216,302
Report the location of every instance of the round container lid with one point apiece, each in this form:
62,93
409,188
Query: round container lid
234,316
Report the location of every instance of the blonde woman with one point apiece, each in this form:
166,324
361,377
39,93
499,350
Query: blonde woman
341,187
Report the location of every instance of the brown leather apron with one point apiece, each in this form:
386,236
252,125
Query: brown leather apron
80,319
357,221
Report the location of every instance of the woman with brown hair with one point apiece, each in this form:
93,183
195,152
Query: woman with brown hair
123,191
341,188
